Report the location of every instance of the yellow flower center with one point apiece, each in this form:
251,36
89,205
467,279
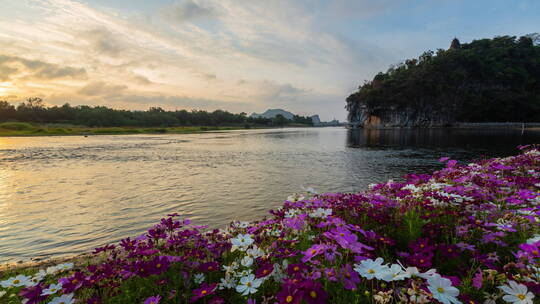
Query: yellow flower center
203,292
296,268
440,290
313,251
158,266
313,294
248,284
521,296
371,271
289,299
16,282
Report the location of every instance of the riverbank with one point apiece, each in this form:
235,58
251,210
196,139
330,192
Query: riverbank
458,125
464,234
26,129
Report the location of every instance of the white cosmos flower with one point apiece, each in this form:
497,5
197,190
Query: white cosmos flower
295,197
321,213
64,299
199,278
394,273
534,239
231,268
241,241
2,293
442,289
52,270
64,267
255,252
242,224
18,281
279,273
39,276
292,213
516,293
246,261
370,269
243,273
248,285
227,282
414,272
53,288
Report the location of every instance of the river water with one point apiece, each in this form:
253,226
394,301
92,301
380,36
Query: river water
66,195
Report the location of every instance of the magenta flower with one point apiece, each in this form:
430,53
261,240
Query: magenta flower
264,270
314,293
209,267
153,300
32,294
349,277
290,293
203,291
313,251
70,284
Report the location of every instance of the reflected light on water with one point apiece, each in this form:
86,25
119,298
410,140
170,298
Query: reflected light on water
67,195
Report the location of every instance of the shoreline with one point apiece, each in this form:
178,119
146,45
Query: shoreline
531,126
90,131
58,130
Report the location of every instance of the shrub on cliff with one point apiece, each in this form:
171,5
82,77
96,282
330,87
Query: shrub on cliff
486,80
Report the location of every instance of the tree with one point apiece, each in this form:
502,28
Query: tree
279,120
7,111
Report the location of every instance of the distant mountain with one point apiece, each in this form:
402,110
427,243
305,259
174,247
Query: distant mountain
271,113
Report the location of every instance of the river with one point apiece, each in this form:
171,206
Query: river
62,196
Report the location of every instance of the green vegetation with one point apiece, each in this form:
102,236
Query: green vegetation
26,129
32,117
487,80
34,111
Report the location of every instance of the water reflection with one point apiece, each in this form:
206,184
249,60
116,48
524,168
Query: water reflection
475,141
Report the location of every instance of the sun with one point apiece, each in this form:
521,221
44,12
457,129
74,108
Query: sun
4,87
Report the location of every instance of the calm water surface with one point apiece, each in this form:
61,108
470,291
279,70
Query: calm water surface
66,195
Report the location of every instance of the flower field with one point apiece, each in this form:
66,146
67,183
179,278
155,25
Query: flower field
468,233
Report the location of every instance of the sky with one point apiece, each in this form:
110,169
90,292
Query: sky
305,56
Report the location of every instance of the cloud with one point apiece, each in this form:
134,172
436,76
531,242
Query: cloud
37,69
188,10
101,88
6,72
104,41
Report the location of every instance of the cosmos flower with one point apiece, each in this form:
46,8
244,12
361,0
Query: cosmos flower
68,299
203,291
52,289
516,293
241,241
17,281
248,285
442,289
370,269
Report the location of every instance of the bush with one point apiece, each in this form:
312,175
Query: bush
16,126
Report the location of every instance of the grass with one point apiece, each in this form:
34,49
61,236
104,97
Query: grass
26,129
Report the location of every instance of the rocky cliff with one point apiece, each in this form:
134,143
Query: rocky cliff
487,80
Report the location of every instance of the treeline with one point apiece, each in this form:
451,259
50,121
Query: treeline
33,110
487,80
